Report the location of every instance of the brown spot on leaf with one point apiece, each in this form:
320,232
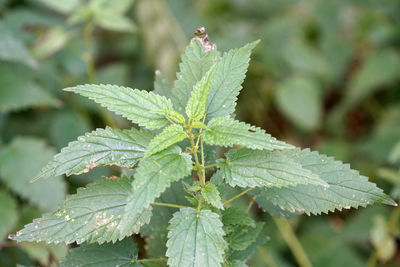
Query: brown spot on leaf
201,35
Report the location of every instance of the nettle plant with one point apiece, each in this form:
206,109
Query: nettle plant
172,174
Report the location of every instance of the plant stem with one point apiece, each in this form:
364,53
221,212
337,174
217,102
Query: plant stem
91,69
210,166
149,260
168,205
238,195
253,199
294,244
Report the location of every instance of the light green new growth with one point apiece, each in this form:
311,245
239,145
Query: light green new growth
211,195
169,136
196,106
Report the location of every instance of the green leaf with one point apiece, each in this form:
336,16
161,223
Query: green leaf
299,98
169,136
133,104
122,253
224,131
347,188
380,68
241,237
62,7
114,22
12,49
19,91
172,115
196,106
161,85
248,168
153,176
227,81
195,64
19,161
8,214
98,148
211,195
93,214
195,239
235,216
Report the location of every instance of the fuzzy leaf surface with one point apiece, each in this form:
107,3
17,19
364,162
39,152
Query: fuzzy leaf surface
195,64
224,131
172,134
119,254
227,81
101,147
153,176
241,237
22,159
211,195
347,188
196,106
136,105
248,168
93,214
195,240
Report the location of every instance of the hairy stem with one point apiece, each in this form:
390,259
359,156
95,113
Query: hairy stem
253,199
291,240
168,205
210,166
238,196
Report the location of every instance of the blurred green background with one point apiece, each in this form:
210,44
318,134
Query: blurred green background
326,75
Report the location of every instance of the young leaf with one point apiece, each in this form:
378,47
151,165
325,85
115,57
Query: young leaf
98,148
122,253
8,214
169,136
224,131
162,86
227,81
235,216
347,188
19,161
196,106
247,168
243,236
133,104
195,239
153,176
195,63
211,195
172,115
93,214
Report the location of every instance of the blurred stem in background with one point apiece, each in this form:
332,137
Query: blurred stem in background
163,36
88,33
294,244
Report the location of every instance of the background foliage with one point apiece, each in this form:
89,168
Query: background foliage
325,75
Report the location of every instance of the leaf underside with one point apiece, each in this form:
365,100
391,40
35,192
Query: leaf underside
224,131
98,148
347,188
195,240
